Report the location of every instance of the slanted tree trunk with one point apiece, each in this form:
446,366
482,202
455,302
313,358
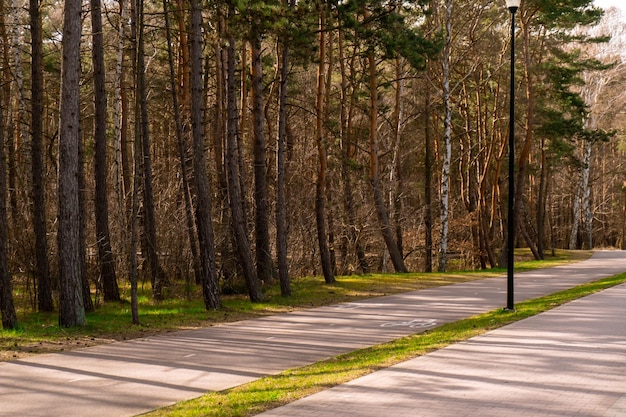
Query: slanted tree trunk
71,308
42,273
347,153
320,185
151,246
7,308
210,287
103,239
238,217
182,154
379,201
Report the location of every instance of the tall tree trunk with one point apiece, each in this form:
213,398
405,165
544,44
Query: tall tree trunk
320,185
157,277
428,178
447,135
120,187
71,309
20,123
5,92
379,201
7,308
264,265
103,238
395,202
137,179
210,287
42,273
238,217
281,172
347,149
541,200
586,198
182,154
88,303
524,155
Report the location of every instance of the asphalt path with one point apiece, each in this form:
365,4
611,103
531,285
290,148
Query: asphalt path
567,362
129,378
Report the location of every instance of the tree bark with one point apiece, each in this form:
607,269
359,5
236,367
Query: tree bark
447,127
428,178
157,277
264,264
42,273
320,185
379,202
103,239
281,173
7,307
210,287
182,154
240,230
351,239
71,308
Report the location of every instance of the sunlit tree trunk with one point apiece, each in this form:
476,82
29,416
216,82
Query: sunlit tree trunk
447,137
320,185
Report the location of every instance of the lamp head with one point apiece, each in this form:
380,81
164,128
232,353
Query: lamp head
513,5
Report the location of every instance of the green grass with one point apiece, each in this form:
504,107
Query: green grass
39,332
288,386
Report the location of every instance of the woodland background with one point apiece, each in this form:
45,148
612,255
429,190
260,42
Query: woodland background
232,144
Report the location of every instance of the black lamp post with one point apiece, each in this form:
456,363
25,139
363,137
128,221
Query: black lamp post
513,6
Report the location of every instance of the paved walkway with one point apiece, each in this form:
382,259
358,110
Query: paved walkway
125,379
567,362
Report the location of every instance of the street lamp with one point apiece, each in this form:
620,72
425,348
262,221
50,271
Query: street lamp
513,6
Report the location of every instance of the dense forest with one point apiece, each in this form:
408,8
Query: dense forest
234,144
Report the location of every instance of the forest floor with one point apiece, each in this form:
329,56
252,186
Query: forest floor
39,333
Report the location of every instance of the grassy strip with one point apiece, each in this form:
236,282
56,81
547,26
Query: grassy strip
274,391
40,333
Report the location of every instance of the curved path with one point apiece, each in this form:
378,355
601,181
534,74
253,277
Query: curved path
128,378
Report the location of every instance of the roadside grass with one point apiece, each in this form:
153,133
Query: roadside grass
274,391
40,333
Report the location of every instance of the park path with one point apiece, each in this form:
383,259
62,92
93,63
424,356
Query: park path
567,362
129,378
